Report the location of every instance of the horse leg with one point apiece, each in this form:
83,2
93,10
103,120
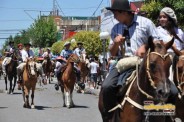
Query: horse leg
63,94
72,103
26,104
23,94
10,90
6,88
68,98
15,81
32,97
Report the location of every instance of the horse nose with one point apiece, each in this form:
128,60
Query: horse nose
163,90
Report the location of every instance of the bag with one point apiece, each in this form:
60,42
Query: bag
126,63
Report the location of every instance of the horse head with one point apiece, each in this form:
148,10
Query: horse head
157,63
178,68
31,66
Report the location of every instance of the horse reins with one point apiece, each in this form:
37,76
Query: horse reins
127,98
178,80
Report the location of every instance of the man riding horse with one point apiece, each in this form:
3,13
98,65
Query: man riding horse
8,51
26,55
128,39
65,54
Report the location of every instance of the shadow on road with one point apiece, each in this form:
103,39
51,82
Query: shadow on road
41,107
3,107
80,106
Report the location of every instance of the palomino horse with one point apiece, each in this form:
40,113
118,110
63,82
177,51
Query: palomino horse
11,71
48,68
68,79
29,82
150,84
83,68
178,77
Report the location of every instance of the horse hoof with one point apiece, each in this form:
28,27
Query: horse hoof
64,105
24,105
68,107
6,92
32,106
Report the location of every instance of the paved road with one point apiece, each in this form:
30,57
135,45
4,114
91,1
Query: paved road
48,107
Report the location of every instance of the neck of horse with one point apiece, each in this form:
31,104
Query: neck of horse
70,66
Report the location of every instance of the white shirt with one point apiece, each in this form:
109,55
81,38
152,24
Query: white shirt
93,67
45,54
165,36
24,55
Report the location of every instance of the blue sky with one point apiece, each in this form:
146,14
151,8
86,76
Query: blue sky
20,14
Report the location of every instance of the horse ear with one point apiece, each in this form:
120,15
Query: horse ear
170,43
150,43
176,51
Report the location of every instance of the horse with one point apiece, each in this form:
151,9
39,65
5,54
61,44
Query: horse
30,75
83,68
178,78
1,70
11,71
68,79
48,68
150,84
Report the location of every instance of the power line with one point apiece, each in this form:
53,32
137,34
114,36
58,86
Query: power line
97,8
13,30
60,8
14,20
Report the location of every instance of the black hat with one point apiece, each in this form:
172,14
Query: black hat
80,43
11,42
120,5
27,44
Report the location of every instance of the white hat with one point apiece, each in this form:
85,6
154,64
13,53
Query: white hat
168,11
67,43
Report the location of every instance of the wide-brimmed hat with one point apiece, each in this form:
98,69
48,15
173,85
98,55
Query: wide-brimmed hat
79,43
169,12
20,44
120,5
67,43
11,42
27,44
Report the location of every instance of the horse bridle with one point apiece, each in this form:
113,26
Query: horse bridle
148,72
74,60
180,83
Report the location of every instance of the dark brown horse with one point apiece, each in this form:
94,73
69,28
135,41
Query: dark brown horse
29,82
178,77
48,68
150,84
11,72
68,79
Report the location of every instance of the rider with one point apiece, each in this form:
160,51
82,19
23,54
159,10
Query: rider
133,31
47,54
27,54
8,51
80,49
65,53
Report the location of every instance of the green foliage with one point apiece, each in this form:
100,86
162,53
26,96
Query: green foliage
153,7
91,42
43,32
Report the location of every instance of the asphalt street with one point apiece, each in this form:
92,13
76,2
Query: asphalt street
48,106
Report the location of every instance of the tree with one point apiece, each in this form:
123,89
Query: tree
153,7
43,32
91,42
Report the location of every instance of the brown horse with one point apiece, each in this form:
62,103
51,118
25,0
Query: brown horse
29,82
68,79
178,77
48,68
11,71
84,69
150,84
